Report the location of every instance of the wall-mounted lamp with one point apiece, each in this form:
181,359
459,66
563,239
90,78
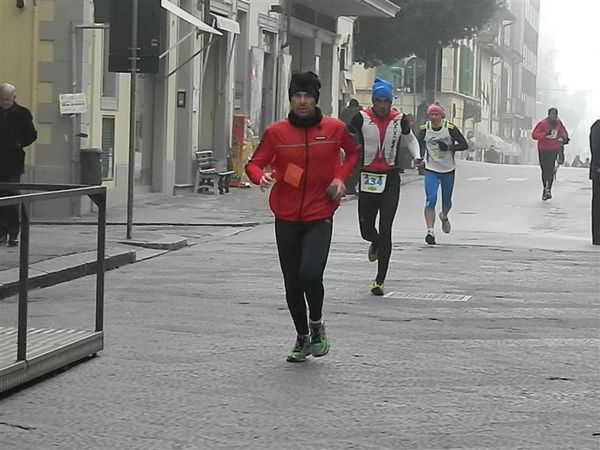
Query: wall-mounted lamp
20,4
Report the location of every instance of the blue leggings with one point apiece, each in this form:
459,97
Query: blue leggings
432,181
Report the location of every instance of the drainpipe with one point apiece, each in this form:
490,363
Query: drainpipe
74,142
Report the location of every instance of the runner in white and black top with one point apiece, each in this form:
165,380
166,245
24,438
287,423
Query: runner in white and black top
380,130
439,140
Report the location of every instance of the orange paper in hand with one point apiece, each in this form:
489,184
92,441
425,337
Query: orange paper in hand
293,174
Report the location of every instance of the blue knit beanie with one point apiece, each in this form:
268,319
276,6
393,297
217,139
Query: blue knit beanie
383,89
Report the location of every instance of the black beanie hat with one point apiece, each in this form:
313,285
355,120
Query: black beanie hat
305,82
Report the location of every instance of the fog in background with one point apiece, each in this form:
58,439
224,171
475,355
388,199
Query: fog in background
569,67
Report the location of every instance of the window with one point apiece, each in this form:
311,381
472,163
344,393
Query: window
343,57
109,79
466,75
268,42
108,148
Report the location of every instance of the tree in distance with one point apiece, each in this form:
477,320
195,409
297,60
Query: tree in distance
419,26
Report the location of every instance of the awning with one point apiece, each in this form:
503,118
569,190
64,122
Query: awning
184,15
358,8
487,141
225,24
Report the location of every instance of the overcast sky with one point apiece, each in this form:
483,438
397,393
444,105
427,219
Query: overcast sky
571,28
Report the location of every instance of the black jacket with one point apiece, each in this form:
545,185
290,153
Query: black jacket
16,133
595,150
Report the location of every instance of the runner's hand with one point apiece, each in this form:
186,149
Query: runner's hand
266,181
340,189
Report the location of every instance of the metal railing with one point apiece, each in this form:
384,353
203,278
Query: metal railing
52,192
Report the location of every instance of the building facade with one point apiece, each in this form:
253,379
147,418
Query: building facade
218,59
486,84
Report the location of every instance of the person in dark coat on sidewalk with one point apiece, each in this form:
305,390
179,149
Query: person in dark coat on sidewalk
16,133
595,177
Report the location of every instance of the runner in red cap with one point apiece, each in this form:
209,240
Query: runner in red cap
439,139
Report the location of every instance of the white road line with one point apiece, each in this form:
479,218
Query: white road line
517,179
479,179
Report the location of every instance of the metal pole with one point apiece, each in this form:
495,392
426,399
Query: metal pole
415,88
206,11
101,203
75,143
132,118
435,76
23,285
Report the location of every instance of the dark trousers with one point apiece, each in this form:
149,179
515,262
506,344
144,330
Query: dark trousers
9,215
384,204
303,251
548,165
596,211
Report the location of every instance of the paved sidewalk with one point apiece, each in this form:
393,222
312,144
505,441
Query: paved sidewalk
59,248
195,349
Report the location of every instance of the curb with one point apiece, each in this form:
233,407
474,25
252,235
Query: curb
153,224
64,268
164,244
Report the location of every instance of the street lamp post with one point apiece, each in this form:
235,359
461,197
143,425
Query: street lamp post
414,88
132,118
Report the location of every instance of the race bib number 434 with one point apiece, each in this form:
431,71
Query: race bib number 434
372,182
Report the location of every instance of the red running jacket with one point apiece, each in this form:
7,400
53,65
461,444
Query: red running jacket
545,142
303,163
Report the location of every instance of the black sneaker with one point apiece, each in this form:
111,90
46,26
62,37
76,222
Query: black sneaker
3,240
13,242
300,350
546,195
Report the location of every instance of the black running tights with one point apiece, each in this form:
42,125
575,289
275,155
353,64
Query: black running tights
548,165
303,250
385,204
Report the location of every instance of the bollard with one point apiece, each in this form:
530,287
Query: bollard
90,166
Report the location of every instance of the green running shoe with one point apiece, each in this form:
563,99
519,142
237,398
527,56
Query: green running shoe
377,288
301,349
373,253
319,346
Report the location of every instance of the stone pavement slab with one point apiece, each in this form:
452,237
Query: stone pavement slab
194,355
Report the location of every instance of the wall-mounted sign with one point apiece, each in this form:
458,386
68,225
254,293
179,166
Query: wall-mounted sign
72,103
181,99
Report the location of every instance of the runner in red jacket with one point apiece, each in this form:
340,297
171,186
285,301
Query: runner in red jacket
307,175
551,136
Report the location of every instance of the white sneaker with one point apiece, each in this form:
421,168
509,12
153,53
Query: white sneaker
446,227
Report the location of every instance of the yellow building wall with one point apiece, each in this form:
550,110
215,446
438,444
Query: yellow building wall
20,56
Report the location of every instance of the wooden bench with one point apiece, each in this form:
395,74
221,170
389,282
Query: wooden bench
207,175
